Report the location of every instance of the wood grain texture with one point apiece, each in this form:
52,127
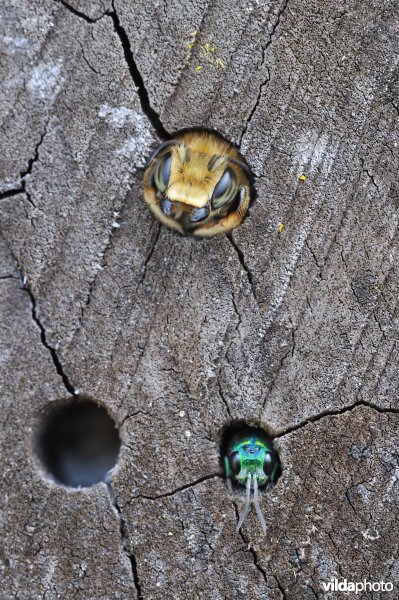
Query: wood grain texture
292,321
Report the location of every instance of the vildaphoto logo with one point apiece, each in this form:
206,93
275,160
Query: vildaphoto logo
336,585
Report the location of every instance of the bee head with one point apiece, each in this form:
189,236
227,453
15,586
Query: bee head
192,186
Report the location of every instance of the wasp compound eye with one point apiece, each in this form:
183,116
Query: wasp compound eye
251,462
269,463
235,463
204,178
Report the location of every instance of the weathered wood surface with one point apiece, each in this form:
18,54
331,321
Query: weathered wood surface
177,337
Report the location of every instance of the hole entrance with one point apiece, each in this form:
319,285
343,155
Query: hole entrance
251,457
78,443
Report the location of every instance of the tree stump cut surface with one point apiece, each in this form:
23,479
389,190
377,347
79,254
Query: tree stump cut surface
291,322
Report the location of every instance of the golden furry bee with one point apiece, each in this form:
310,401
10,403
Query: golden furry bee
198,184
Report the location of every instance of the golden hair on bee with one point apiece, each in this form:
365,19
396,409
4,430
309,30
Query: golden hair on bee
198,184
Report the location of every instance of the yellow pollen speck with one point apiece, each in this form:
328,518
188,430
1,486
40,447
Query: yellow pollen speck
280,227
302,178
192,40
197,68
208,52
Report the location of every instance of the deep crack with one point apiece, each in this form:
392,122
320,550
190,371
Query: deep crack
273,31
135,74
255,106
249,547
124,540
333,413
21,189
146,107
241,258
69,387
280,587
370,176
78,13
186,486
12,192
32,161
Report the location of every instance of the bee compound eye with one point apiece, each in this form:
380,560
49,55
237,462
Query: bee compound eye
225,189
162,173
235,463
269,462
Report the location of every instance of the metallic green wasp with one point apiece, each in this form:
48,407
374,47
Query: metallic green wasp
252,460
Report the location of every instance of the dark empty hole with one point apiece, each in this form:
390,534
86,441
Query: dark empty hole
242,459
79,443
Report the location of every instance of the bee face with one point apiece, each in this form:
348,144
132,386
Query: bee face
197,184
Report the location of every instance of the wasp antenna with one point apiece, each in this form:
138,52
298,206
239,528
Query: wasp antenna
160,148
228,477
257,507
246,505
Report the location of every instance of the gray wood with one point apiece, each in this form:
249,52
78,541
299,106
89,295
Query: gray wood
291,322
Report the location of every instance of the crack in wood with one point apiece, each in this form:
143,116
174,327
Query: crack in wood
135,74
56,361
250,549
251,114
23,174
138,81
334,413
79,13
244,265
186,486
124,540
147,260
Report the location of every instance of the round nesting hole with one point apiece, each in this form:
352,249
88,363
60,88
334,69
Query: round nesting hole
78,443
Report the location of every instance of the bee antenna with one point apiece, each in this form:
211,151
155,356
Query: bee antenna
160,148
246,505
239,163
256,503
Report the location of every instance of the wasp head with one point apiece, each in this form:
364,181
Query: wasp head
253,457
251,460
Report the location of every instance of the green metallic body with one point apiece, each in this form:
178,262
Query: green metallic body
251,453
251,461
